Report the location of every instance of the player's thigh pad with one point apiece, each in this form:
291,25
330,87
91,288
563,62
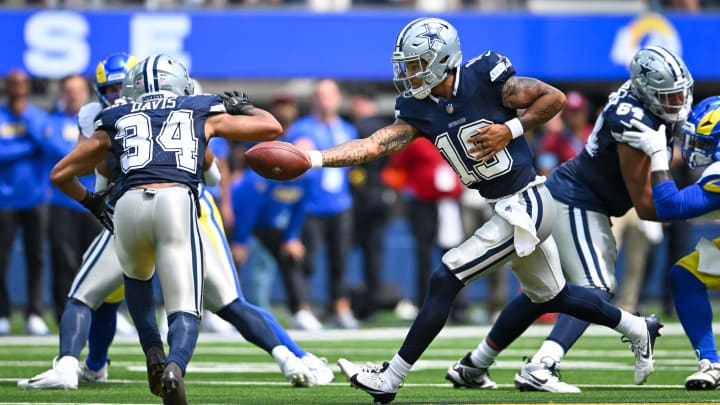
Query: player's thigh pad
100,272
588,251
691,263
134,221
221,282
179,257
492,245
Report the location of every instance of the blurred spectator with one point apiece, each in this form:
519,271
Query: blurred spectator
24,181
636,237
329,206
565,134
371,207
274,212
285,108
72,227
426,181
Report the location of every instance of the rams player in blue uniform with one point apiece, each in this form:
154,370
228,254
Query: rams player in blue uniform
159,139
101,273
606,179
469,111
695,274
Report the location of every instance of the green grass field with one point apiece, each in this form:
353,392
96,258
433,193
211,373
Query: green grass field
228,370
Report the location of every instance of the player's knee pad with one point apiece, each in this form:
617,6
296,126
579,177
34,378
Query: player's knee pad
444,283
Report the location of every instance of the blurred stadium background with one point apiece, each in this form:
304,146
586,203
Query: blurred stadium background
267,47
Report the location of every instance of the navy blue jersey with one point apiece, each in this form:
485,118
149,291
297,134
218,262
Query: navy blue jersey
592,180
476,102
158,141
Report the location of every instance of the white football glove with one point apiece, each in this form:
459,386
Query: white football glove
651,141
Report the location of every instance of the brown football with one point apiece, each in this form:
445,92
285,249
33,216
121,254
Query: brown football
277,160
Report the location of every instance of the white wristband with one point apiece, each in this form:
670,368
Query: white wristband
316,159
516,128
659,162
101,182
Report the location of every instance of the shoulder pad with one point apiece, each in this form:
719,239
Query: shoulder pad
710,179
495,65
86,118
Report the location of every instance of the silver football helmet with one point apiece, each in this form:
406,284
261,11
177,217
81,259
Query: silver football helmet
155,75
662,82
426,49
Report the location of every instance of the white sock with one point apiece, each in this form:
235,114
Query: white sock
67,364
281,353
398,370
631,325
484,356
550,349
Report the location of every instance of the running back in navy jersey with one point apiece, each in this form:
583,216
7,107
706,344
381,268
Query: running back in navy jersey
476,102
159,141
592,180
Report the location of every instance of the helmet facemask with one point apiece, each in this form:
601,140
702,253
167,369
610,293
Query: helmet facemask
700,135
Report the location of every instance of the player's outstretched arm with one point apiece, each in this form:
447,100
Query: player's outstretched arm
258,126
540,100
387,140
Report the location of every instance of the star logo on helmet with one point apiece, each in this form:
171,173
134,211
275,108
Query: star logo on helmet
432,35
645,69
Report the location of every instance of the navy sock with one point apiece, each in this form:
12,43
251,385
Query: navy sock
694,311
250,323
102,332
568,329
443,289
579,302
183,330
513,320
74,328
139,299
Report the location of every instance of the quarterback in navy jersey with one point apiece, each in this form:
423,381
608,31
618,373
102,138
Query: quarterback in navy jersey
469,111
606,179
159,139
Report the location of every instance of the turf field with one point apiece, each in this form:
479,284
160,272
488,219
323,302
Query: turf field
228,370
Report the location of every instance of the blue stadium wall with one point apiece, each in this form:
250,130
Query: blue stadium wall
233,44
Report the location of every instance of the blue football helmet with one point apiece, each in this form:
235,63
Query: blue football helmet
701,134
110,71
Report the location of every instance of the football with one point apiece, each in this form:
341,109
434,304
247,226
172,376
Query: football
277,160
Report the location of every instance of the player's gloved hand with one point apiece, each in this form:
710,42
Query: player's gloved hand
651,141
95,203
646,139
236,103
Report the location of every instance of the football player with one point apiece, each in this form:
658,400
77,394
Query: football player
695,274
469,111
101,273
606,179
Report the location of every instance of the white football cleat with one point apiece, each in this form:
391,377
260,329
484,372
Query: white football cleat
85,374
375,381
464,374
643,347
297,372
706,378
542,376
63,376
318,367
